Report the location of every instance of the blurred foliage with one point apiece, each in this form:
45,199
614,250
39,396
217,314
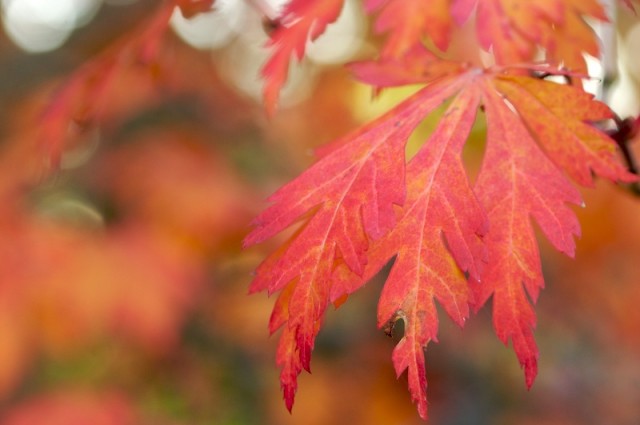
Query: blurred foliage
123,283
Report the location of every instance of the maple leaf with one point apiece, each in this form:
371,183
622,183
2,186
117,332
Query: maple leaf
435,232
300,21
348,196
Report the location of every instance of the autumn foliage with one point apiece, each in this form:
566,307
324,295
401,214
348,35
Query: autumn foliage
443,234
451,241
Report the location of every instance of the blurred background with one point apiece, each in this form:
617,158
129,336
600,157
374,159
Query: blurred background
123,285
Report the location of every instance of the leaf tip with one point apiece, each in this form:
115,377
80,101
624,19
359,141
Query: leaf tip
422,409
289,395
530,371
246,242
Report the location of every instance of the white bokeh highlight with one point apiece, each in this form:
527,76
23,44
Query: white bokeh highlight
43,25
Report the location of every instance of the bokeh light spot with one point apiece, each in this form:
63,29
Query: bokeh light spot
43,25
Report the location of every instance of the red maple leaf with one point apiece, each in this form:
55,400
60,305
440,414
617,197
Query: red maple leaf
436,231
299,22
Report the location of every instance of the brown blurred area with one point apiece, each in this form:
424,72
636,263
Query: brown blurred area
123,285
